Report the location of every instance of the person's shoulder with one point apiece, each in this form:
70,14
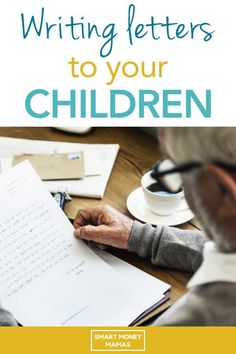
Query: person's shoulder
212,304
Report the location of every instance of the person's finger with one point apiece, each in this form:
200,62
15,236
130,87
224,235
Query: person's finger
79,220
98,234
94,216
86,216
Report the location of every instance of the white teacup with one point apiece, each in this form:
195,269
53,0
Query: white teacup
158,203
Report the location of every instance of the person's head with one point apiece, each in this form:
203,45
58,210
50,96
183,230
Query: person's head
211,189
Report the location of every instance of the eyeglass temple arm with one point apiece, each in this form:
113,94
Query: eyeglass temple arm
178,169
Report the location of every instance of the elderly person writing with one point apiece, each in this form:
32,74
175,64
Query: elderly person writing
206,157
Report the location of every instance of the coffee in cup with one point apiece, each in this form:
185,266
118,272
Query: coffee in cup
157,189
158,200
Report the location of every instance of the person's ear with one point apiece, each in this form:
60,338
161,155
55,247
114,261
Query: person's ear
223,184
217,191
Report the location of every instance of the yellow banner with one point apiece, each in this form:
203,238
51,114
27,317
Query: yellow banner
153,340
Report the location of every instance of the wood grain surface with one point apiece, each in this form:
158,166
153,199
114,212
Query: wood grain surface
138,152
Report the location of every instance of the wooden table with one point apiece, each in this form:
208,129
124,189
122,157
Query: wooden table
138,151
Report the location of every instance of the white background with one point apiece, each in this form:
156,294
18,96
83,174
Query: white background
193,64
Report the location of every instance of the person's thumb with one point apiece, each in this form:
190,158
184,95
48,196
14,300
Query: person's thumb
91,233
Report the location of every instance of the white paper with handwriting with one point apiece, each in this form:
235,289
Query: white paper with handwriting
46,275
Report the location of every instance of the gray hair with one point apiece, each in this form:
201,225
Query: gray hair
204,145
201,144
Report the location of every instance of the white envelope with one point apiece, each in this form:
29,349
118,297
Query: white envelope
97,156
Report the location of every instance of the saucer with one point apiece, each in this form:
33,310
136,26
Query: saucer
137,206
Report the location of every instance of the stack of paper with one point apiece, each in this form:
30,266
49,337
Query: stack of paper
47,277
97,156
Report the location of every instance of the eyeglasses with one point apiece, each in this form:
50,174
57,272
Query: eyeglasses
169,177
